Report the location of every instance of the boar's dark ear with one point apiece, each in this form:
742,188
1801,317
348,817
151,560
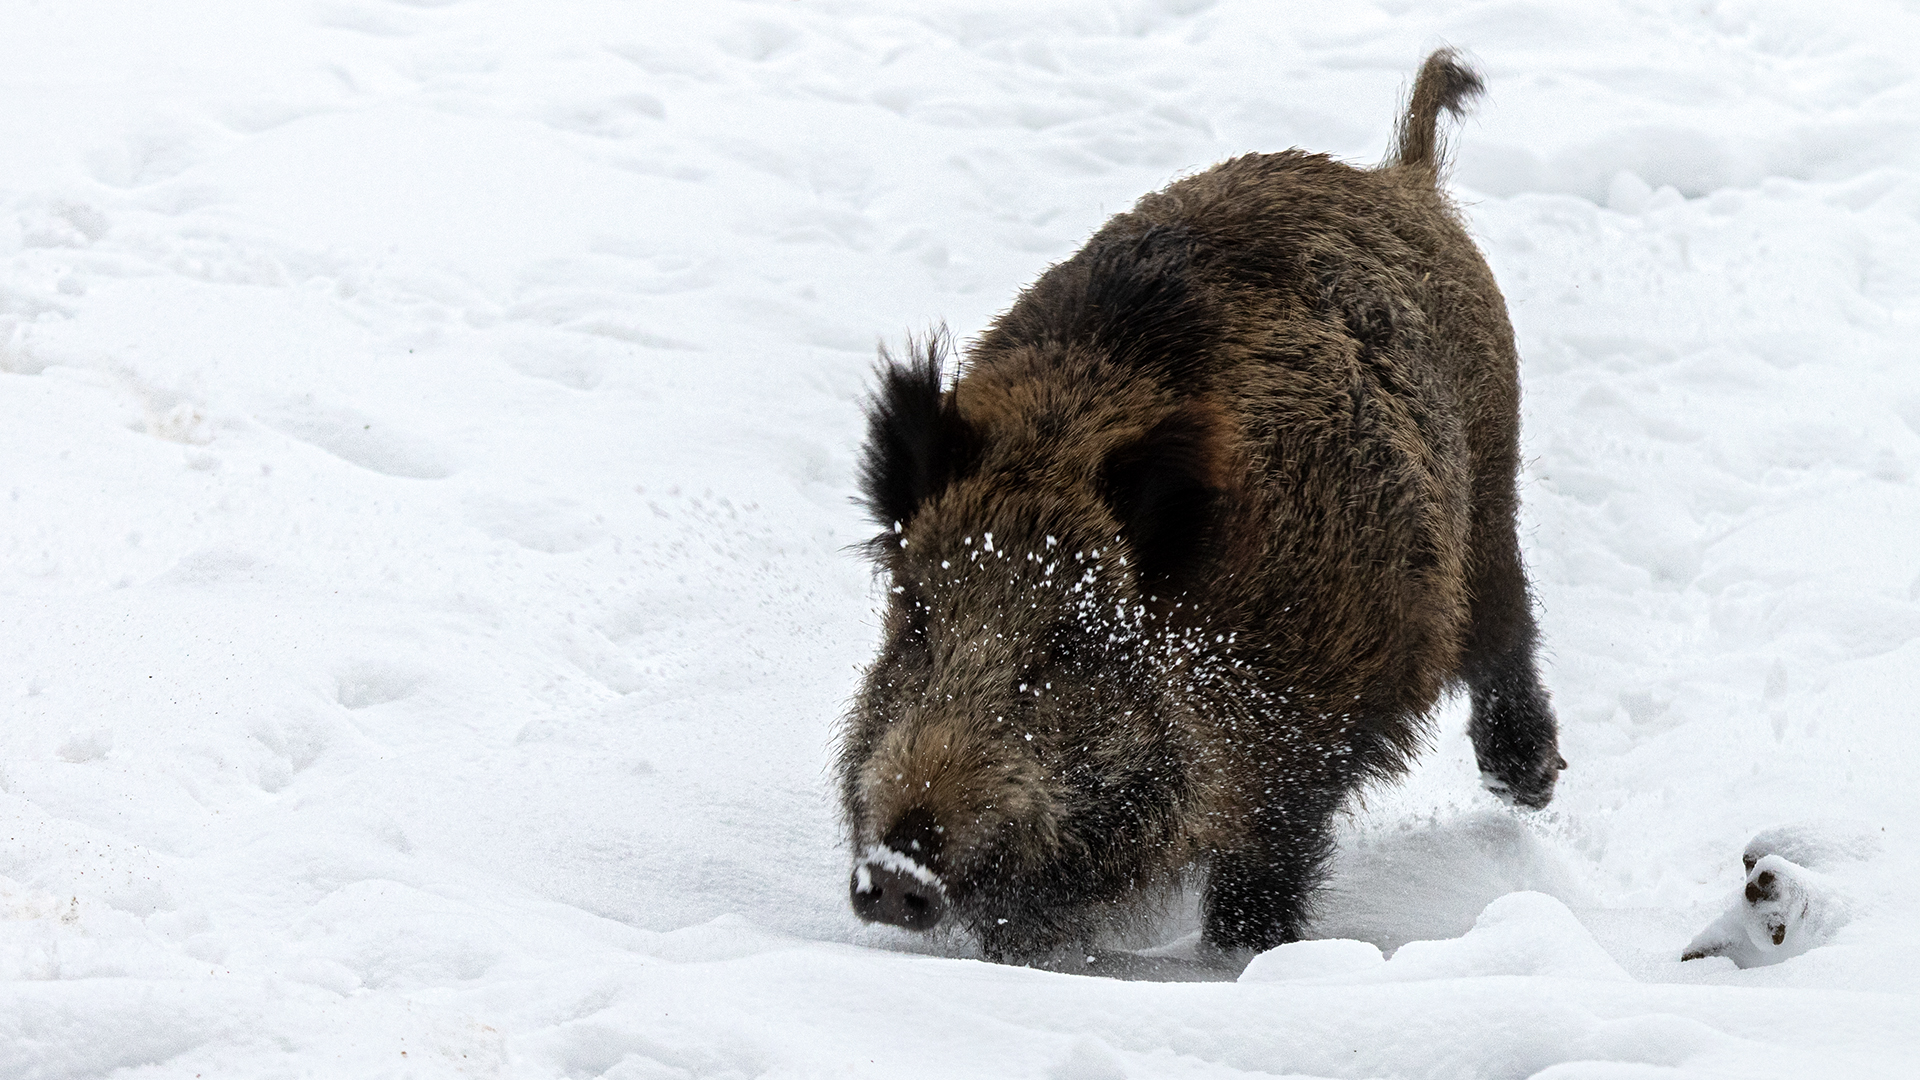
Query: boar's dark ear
917,442
1166,491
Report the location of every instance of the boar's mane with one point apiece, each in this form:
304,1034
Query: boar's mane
1133,297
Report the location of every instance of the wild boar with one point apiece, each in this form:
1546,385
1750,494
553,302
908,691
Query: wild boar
1203,528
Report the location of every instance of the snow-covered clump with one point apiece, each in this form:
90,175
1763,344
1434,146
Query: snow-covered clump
1787,905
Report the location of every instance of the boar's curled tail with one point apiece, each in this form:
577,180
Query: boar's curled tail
1444,82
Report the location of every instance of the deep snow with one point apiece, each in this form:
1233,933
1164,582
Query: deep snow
424,590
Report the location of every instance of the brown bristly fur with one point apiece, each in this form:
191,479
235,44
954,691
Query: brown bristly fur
1208,522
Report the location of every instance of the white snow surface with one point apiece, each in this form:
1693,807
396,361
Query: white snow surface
425,588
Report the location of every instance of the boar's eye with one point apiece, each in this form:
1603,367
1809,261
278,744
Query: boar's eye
1164,491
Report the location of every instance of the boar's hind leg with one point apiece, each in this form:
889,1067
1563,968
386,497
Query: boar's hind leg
1514,734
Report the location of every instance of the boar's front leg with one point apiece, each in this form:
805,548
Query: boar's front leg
1035,924
1259,894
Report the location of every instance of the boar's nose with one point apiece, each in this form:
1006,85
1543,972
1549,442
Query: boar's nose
891,888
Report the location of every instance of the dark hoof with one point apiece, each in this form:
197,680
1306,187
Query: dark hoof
890,888
1530,785
1516,741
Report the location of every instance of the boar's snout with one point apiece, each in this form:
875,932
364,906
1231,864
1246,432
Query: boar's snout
894,881
892,888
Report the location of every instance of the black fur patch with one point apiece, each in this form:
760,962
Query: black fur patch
917,442
1130,294
917,835
1163,490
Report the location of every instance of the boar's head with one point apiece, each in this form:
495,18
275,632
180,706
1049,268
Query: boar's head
1021,747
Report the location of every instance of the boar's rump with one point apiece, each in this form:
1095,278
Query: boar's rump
1185,554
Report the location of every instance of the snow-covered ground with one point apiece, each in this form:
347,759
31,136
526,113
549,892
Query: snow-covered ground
426,437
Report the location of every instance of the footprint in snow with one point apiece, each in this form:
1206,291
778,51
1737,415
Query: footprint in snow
1788,905
61,224
375,444
552,526
367,683
144,158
